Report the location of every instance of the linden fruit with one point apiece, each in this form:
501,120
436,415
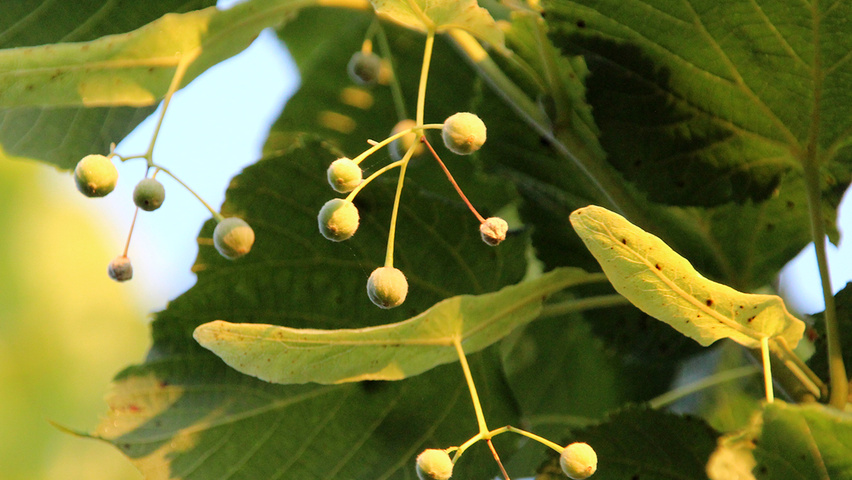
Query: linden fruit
338,219
463,133
344,175
233,238
95,175
387,288
120,269
149,194
401,145
578,461
493,230
364,68
434,464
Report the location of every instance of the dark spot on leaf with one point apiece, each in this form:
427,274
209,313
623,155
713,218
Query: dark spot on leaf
658,267
581,24
770,227
624,241
790,205
544,141
30,87
709,302
750,319
741,307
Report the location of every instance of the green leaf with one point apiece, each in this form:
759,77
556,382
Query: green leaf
43,88
701,103
183,403
644,444
62,136
135,68
386,352
442,15
666,286
788,442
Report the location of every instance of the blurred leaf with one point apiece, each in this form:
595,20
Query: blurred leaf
644,444
442,15
665,285
64,135
386,352
128,69
819,360
804,442
169,414
704,104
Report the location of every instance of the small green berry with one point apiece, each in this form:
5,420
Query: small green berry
233,238
493,230
344,175
434,464
387,287
364,68
401,145
463,133
120,269
338,219
578,461
149,194
95,175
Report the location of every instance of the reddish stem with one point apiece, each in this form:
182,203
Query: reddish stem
452,180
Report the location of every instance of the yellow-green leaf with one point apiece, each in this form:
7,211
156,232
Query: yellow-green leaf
442,15
665,285
387,352
134,68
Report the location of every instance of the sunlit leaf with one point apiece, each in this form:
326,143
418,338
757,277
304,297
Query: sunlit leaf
665,285
387,352
442,15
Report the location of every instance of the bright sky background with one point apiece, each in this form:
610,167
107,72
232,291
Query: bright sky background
217,125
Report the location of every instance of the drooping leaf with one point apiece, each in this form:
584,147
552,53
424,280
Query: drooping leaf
62,136
666,286
644,444
387,352
170,413
442,15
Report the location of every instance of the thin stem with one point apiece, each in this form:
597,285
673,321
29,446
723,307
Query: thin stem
180,71
218,216
798,368
130,233
424,76
497,458
466,445
836,368
396,89
369,179
767,369
477,407
366,153
452,180
582,304
711,381
541,440
395,212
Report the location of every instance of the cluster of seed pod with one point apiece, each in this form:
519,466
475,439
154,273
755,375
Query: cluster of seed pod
96,176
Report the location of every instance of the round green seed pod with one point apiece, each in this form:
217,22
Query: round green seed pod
434,464
387,287
95,176
233,238
338,219
493,230
364,69
578,461
149,194
120,269
344,175
463,133
401,145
